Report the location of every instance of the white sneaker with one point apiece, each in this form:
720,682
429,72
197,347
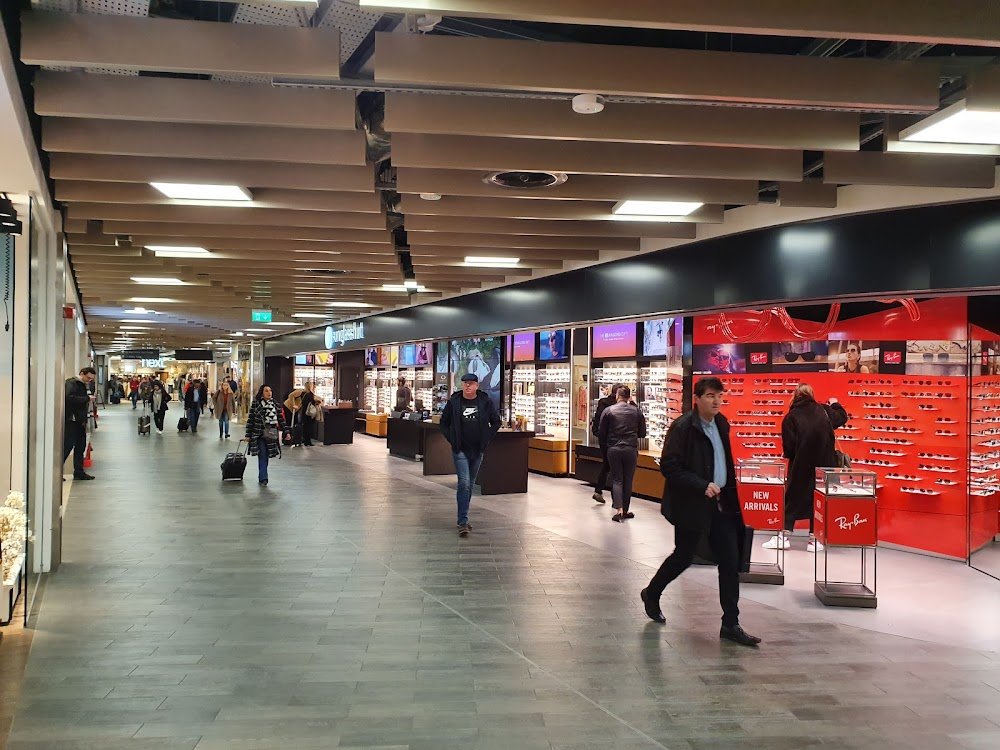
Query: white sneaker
814,546
779,541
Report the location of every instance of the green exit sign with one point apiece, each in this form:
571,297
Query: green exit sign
261,316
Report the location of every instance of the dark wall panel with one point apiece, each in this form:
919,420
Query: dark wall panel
920,250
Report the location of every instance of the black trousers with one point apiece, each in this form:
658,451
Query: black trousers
602,479
158,419
75,442
722,538
308,429
623,462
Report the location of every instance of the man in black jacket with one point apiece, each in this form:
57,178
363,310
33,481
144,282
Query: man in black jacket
700,499
602,478
78,406
469,422
195,401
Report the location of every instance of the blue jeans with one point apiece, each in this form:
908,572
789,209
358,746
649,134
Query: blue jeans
224,423
262,459
193,416
467,472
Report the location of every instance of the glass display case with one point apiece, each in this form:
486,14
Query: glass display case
660,396
423,387
761,472
552,400
606,375
523,390
846,483
371,390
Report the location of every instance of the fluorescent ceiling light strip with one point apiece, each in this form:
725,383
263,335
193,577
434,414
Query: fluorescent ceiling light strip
194,192
655,208
348,304
158,280
171,251
956,124
313,316
402,288
283,323
484,262
152,299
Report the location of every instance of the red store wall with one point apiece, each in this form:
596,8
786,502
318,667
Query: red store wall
910,413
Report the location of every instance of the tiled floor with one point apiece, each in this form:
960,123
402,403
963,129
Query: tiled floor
337,608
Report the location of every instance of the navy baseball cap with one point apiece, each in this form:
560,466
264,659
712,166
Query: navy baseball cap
470,377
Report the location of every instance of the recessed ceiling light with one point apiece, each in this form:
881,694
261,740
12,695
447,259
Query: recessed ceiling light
313,316
403,288
956,124
158,281
654,210
192,192
348,304
430,196
153,300
486,262
177,251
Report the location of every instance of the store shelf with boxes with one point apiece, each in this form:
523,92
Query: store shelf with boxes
646,357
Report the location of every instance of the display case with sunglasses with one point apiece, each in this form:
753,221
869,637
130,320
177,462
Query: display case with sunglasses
523,401
661,393
762,499
845,513
755,406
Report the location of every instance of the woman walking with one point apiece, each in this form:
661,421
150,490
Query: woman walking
158,404
808,442
265,427
224,406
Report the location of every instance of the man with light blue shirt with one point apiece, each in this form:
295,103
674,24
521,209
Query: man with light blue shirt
700,500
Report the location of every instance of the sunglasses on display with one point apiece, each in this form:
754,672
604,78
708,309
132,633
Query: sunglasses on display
927,407
888,441
946,420
877,452
756,434
911,430
989,444
949,433
804,356
873,462
938,469
850,429
946,482
904,394
986,408
937,456
849,439
873,394
888,418
791,384
759,445
880,405
761,413
907,477
772,402
945,383
986,420
918,491
869,381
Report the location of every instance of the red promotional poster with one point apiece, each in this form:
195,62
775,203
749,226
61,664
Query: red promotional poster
850,522
763,505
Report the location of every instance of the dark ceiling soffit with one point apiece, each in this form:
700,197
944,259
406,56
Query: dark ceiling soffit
942,249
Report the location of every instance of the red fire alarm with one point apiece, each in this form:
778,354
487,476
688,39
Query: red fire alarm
69,312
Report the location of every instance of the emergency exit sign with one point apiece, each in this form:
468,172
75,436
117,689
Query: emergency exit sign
260,316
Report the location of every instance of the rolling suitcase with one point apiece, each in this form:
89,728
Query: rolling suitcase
144,421
233,466
182,424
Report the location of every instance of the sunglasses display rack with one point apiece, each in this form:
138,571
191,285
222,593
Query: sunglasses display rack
552,402
371,391
626,373
524,378
755,406
984,460
423,386
661,394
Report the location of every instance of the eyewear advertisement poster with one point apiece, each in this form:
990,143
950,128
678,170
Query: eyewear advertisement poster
483,357
799,356
612,341
552,345
719,359
659,335
524,347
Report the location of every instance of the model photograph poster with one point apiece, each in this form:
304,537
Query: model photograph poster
552,345
656,337
484,358
719,359
853,356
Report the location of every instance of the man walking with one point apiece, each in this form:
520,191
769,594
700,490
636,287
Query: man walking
602,478
621,427
700,499
469,422
194,403
78,406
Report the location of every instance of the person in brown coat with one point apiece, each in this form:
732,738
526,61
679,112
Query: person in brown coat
808,442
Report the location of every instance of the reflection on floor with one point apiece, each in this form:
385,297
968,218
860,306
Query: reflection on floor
988,559
338,608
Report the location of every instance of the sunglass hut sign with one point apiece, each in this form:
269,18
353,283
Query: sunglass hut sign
341,335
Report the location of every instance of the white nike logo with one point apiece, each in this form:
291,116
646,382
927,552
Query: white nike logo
469,412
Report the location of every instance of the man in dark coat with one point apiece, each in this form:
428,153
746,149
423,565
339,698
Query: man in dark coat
78,406
808,442
602,478
700,500
469,422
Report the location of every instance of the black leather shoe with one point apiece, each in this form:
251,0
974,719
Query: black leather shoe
736,634
84,476
652,609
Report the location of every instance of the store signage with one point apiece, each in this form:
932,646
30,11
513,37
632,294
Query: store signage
341,334
260,316
156,364
141,354
763,507
616,340
758,358
848,522
892,358
193,355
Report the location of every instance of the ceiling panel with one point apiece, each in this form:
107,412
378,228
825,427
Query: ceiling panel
563,210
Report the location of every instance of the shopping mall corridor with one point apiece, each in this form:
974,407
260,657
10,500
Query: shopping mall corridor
338,608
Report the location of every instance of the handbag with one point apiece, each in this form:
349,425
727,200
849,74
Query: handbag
312,411
270,434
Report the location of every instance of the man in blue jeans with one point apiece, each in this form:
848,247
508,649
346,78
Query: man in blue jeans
469,422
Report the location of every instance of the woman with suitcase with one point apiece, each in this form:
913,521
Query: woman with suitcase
158,404
265,426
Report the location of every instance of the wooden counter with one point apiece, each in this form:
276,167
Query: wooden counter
405,438
549,455
338,426
505,466
376,424
437,451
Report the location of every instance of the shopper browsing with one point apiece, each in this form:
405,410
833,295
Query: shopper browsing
78,404
621,427
469,422
807,442
700,500
265,427
403,395
602,477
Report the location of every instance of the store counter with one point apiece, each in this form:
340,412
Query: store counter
505,467
648,481
376,424
549,455
338,425
405,437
